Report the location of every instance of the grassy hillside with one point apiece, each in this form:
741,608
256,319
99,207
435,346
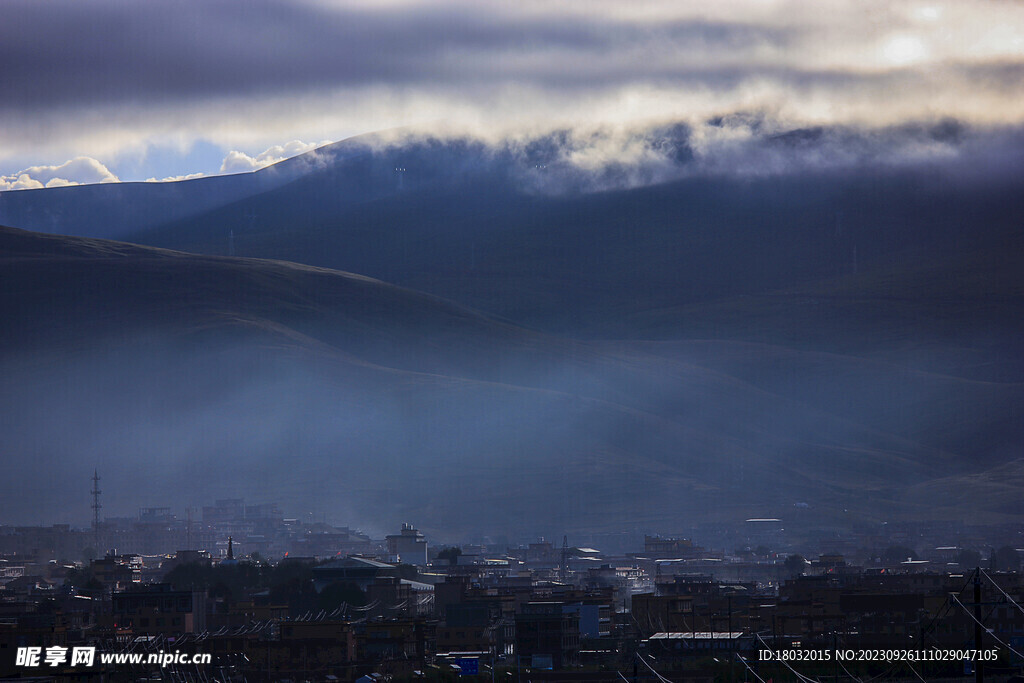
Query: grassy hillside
185,377
593,263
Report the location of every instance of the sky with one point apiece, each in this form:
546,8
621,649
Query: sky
111,90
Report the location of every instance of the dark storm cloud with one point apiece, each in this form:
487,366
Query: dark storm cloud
111,79
69,53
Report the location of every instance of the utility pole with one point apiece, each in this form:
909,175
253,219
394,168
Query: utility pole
565,558
835,648
693,633
732,643
979,670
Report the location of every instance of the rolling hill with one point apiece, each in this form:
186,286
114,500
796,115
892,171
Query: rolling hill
519,233
185,377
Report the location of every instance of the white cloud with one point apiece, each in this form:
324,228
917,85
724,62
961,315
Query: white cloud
77,171
175,178
19,181
59,182
240,162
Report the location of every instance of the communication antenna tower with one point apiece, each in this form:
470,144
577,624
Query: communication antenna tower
96,509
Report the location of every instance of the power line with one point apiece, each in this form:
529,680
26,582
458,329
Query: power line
786,664
847,672
754,673
990,631
942,613
660,677
1000,589
909,666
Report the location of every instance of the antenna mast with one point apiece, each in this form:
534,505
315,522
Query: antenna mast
96,509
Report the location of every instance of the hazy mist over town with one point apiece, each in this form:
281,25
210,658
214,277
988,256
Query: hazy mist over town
513,270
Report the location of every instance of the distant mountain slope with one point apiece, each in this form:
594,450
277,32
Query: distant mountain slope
586,263
971,303
521,233
185,377
113,210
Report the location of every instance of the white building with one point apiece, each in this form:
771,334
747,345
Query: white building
409,546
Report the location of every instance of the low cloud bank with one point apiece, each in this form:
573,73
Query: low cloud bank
740,144
240,162
77,171
605,157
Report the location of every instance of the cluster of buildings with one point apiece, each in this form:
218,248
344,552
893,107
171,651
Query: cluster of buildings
277,599
260,528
